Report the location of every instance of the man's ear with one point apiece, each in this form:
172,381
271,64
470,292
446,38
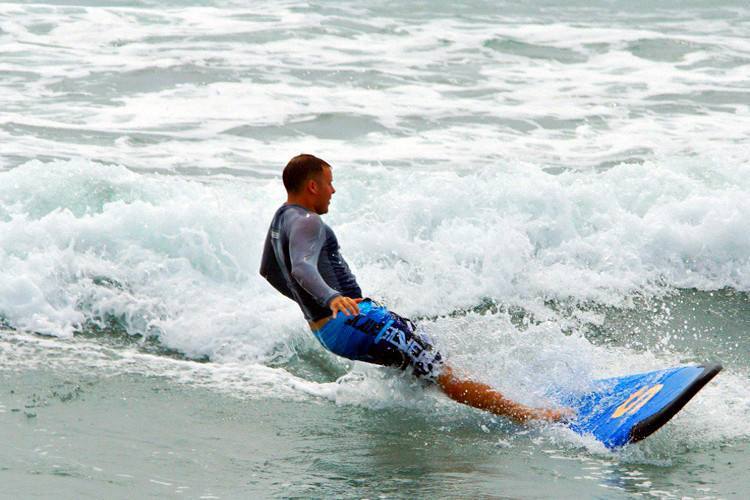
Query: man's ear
312,186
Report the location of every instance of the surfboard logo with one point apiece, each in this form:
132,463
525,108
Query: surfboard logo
636,400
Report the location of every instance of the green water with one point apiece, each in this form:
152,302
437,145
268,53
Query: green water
142,437
132,432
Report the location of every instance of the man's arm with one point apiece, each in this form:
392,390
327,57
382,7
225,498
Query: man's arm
306,239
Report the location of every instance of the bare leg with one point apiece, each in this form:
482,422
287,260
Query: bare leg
482,396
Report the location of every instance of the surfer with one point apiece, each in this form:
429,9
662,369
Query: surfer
301,260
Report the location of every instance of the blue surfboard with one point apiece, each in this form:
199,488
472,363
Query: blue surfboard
626,409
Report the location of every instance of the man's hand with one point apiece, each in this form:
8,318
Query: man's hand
345,305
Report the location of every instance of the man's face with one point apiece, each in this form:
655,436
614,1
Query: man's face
325,190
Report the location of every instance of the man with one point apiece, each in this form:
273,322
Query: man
301,260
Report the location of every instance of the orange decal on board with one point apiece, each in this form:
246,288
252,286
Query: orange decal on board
636,400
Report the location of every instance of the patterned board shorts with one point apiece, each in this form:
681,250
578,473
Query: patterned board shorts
379,336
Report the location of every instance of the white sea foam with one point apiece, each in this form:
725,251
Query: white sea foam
179,256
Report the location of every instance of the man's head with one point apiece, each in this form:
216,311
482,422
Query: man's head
309,182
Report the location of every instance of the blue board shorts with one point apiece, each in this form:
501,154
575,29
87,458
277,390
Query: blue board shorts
376,335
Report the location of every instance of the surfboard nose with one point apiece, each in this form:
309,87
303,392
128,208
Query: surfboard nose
626,409
652,423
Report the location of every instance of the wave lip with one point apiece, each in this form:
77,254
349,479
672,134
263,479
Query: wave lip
85,241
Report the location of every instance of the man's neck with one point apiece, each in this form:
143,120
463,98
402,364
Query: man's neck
302,202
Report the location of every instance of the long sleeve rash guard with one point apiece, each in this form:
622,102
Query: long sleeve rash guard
301,260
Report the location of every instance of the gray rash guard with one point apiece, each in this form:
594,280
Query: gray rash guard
301,259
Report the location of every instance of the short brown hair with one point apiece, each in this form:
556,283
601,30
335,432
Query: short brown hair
300,169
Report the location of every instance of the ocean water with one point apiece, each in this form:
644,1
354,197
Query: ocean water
559,192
